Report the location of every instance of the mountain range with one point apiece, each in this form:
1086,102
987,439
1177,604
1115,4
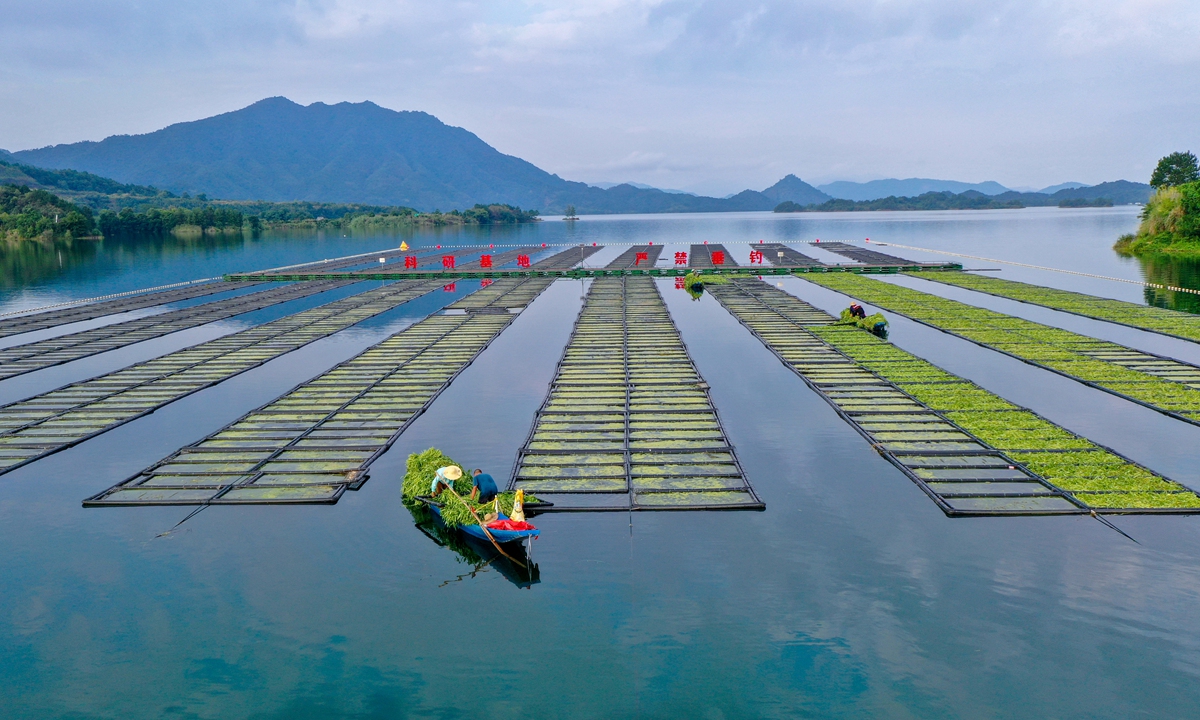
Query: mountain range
277,150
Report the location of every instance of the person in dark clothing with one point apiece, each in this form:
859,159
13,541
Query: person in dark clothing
857,311
484,489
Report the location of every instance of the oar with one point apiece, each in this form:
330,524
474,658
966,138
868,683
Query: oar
483,527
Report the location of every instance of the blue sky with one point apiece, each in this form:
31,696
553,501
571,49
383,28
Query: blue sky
706,96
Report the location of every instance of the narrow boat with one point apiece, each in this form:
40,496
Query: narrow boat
475,531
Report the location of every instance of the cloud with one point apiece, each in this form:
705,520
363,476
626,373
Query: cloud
676,92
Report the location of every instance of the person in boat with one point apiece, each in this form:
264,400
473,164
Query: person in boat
444,478
857,311
483,487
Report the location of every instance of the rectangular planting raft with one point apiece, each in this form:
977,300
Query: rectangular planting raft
1169,386
628,423
1174,323
311,444
79,313
53,421
21,359
315,441
971,451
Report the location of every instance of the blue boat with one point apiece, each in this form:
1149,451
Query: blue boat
501,536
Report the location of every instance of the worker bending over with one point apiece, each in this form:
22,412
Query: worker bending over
484,489
444,478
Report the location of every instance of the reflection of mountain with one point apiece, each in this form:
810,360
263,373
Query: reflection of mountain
480,555
1178,272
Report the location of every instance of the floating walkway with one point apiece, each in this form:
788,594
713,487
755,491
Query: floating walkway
314,442
971,451
79,313
1160,383
628,423
48,423
21,359
1173,323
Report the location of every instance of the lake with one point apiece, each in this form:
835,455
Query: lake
851,595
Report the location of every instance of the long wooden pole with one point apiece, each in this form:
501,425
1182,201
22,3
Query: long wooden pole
484,527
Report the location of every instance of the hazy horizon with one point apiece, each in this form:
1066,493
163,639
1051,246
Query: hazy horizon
706,97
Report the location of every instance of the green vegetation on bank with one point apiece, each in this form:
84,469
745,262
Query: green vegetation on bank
1171,219
26,214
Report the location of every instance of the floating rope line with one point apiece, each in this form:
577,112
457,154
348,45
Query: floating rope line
1157,286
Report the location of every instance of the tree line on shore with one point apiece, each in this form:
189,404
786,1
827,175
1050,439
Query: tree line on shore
1171,218
28,214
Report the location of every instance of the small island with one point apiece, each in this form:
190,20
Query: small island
1171,218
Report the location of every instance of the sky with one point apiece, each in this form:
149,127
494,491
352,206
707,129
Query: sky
706,96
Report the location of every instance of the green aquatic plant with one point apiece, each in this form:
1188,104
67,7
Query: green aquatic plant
418,476
1158,382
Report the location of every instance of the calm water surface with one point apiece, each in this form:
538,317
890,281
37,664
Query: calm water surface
850,596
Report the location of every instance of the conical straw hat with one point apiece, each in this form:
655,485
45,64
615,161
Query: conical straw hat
452,472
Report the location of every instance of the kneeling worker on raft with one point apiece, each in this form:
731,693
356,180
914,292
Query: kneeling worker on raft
857,311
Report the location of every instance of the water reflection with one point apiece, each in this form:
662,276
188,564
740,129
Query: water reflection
480,555
1173,271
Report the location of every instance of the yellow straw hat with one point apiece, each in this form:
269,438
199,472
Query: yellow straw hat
452,472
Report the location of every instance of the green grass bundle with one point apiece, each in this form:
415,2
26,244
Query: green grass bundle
418,477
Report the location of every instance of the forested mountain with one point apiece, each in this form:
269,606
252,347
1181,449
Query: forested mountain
278,150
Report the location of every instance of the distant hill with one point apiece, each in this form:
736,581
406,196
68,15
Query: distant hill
276,150
911,187
1062,186
1120,192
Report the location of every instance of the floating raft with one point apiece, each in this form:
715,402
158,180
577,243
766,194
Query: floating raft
972,452
314,442
79,313
867,256
21,359
53,421
1173,323
1160,383
780,254
700,256
317,440
628,423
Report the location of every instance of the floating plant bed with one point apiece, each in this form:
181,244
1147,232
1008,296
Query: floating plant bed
50,422
780,254
867,256
1160,383
1143,317
314,442
971,451
21,359
702,256
79,313
628,423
